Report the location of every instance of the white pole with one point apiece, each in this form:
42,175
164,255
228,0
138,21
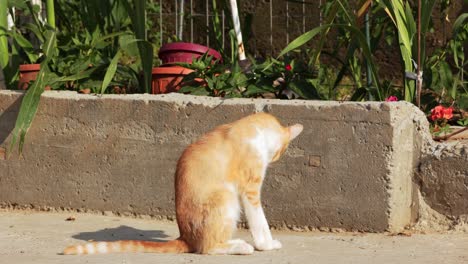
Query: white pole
10,21
237,29
181,17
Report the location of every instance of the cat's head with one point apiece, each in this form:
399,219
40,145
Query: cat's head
287,134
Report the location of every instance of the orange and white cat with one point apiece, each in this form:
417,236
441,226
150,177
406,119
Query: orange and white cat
215,175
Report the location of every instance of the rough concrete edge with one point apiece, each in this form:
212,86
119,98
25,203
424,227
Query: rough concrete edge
429,220
433,221
400,169
184,100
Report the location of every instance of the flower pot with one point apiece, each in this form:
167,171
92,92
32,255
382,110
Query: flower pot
185,52
28,73
167,79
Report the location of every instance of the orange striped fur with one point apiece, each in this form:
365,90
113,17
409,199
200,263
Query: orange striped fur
217,174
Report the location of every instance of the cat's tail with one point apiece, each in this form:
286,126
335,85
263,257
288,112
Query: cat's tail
173,246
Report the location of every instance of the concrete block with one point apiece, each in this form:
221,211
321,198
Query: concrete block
351,168
443,179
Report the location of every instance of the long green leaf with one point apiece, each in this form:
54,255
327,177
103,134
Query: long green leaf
146,54
99,40
458,24
110,72
30,101
402,16
3,38
304,38
138,17
328,20
50,44
426,16
26,46
36,30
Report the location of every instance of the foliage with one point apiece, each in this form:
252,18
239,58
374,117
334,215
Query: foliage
30,101
402,16
446,70
26,39
103,49
107,50
353,37
274,77
463,122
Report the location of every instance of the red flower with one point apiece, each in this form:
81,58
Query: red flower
391,99
448,113
440,112
288,67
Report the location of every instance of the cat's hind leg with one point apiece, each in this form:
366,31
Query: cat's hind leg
232,247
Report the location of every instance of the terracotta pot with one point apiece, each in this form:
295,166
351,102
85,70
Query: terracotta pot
28,73
167,79
185,52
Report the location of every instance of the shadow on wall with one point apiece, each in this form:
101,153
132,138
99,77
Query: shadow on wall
122,233
8,120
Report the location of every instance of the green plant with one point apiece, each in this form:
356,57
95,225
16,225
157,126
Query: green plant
111,49
92,61
402,16
274,77
357,43
30,100
4,57
445,71
440,116
213,79
89,44
440,128
463,122
292,74
20,49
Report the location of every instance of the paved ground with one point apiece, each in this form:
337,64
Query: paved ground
32,237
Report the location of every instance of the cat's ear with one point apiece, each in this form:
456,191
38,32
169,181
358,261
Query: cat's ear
294,131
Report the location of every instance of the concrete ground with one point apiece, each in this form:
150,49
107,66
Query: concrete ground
37,237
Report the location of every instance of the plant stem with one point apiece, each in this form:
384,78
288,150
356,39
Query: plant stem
368,39
4,57
51,13
419,75
440,138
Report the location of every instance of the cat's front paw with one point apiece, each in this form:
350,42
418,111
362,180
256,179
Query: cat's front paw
268,245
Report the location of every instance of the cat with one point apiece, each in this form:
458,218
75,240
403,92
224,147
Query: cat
214,175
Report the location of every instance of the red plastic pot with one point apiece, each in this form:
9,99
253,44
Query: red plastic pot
185,52
28,73
167,79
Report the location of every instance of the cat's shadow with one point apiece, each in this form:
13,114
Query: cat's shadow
122,233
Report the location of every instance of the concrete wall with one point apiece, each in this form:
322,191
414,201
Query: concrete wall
443,179
351,168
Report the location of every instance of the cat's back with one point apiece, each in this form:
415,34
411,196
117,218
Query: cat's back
236,135
233,139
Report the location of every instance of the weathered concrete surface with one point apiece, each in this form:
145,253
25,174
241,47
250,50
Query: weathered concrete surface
443,178
351,168
37,238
